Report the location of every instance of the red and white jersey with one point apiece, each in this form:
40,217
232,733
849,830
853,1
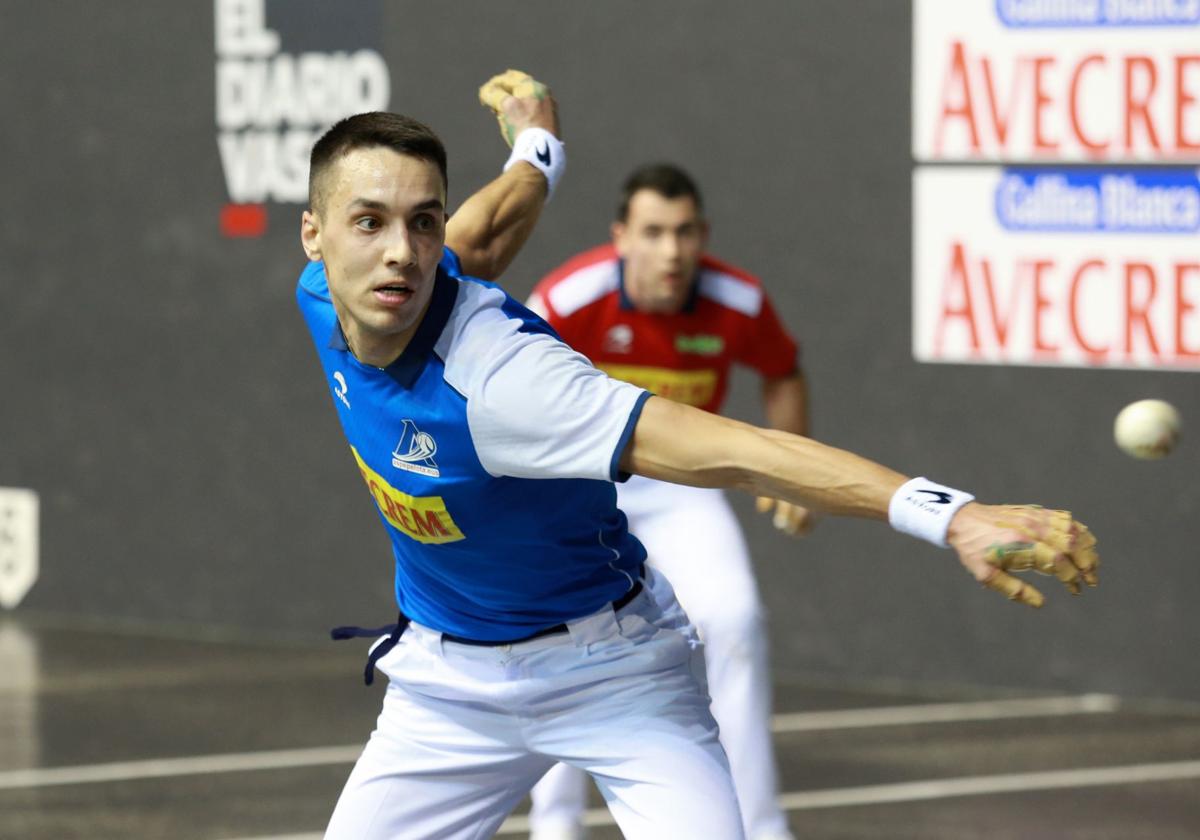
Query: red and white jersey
683,356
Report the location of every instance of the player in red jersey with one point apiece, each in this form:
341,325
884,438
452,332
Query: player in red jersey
653,309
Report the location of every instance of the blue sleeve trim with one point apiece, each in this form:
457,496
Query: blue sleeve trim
614,472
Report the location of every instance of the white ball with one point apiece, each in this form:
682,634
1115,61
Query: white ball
1147,428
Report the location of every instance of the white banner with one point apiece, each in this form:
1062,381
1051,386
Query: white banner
1054,80
18,544
1075,267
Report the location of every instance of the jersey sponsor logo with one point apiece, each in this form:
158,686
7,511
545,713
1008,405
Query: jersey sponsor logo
700,345
340,388
423,518
415,450
692,387
619,339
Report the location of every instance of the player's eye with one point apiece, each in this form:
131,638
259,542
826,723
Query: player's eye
367,223
424,223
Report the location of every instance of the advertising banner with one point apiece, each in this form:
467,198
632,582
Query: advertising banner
1102,81
1085,267
285,72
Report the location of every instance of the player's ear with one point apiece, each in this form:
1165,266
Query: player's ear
310,235
619,232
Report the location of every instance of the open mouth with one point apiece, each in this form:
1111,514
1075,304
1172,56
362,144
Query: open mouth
393,294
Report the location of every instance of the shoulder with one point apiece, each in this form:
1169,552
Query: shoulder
730,286
483,319
580,281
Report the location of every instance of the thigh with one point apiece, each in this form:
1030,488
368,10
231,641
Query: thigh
644,732
692,535
675,788
430,772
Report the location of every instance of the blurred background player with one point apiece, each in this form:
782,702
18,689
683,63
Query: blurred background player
652,308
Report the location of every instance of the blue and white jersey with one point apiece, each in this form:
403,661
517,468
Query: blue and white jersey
490,448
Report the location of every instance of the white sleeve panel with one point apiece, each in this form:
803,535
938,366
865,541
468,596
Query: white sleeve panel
542,411
537,305
535,407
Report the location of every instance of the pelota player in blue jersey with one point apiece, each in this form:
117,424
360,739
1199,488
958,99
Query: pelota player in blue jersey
531,632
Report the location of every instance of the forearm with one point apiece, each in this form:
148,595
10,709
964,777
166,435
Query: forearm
785,403
491,226
673,442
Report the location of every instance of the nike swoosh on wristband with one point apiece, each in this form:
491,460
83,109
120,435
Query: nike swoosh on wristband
543,154
940,497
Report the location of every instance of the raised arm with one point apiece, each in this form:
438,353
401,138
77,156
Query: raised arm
491,226
674,442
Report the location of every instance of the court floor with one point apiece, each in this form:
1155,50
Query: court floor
107,734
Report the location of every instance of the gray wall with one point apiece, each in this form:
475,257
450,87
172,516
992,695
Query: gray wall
160,393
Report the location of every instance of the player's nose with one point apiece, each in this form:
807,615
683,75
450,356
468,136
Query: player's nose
670,246
398,252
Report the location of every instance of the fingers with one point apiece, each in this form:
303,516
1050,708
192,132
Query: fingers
1084,553
496,92
997,541
789,518
1014,589
1054,544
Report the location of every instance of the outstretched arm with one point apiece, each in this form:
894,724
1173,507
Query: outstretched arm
674,442
491,226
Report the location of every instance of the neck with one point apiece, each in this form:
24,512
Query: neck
660,306
377,351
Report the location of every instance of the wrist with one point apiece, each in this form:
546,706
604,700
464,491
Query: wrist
925,509
541,150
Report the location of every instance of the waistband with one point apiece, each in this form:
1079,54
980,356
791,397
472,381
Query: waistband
395,631
624,600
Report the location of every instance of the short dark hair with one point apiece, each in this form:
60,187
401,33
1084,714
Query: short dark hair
362,131
666,179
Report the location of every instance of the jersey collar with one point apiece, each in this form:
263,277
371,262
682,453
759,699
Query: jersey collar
626,302
411,362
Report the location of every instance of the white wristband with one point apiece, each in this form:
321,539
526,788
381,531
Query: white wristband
924,509
541,149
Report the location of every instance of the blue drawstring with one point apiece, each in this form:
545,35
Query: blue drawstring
393,631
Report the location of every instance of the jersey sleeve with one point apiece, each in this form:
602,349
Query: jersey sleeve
766,346
538,409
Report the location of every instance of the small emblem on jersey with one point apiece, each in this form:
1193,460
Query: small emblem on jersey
340,387
700,345
415,451
619,339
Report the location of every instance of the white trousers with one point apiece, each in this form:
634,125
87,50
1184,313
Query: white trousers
693,536
466,731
